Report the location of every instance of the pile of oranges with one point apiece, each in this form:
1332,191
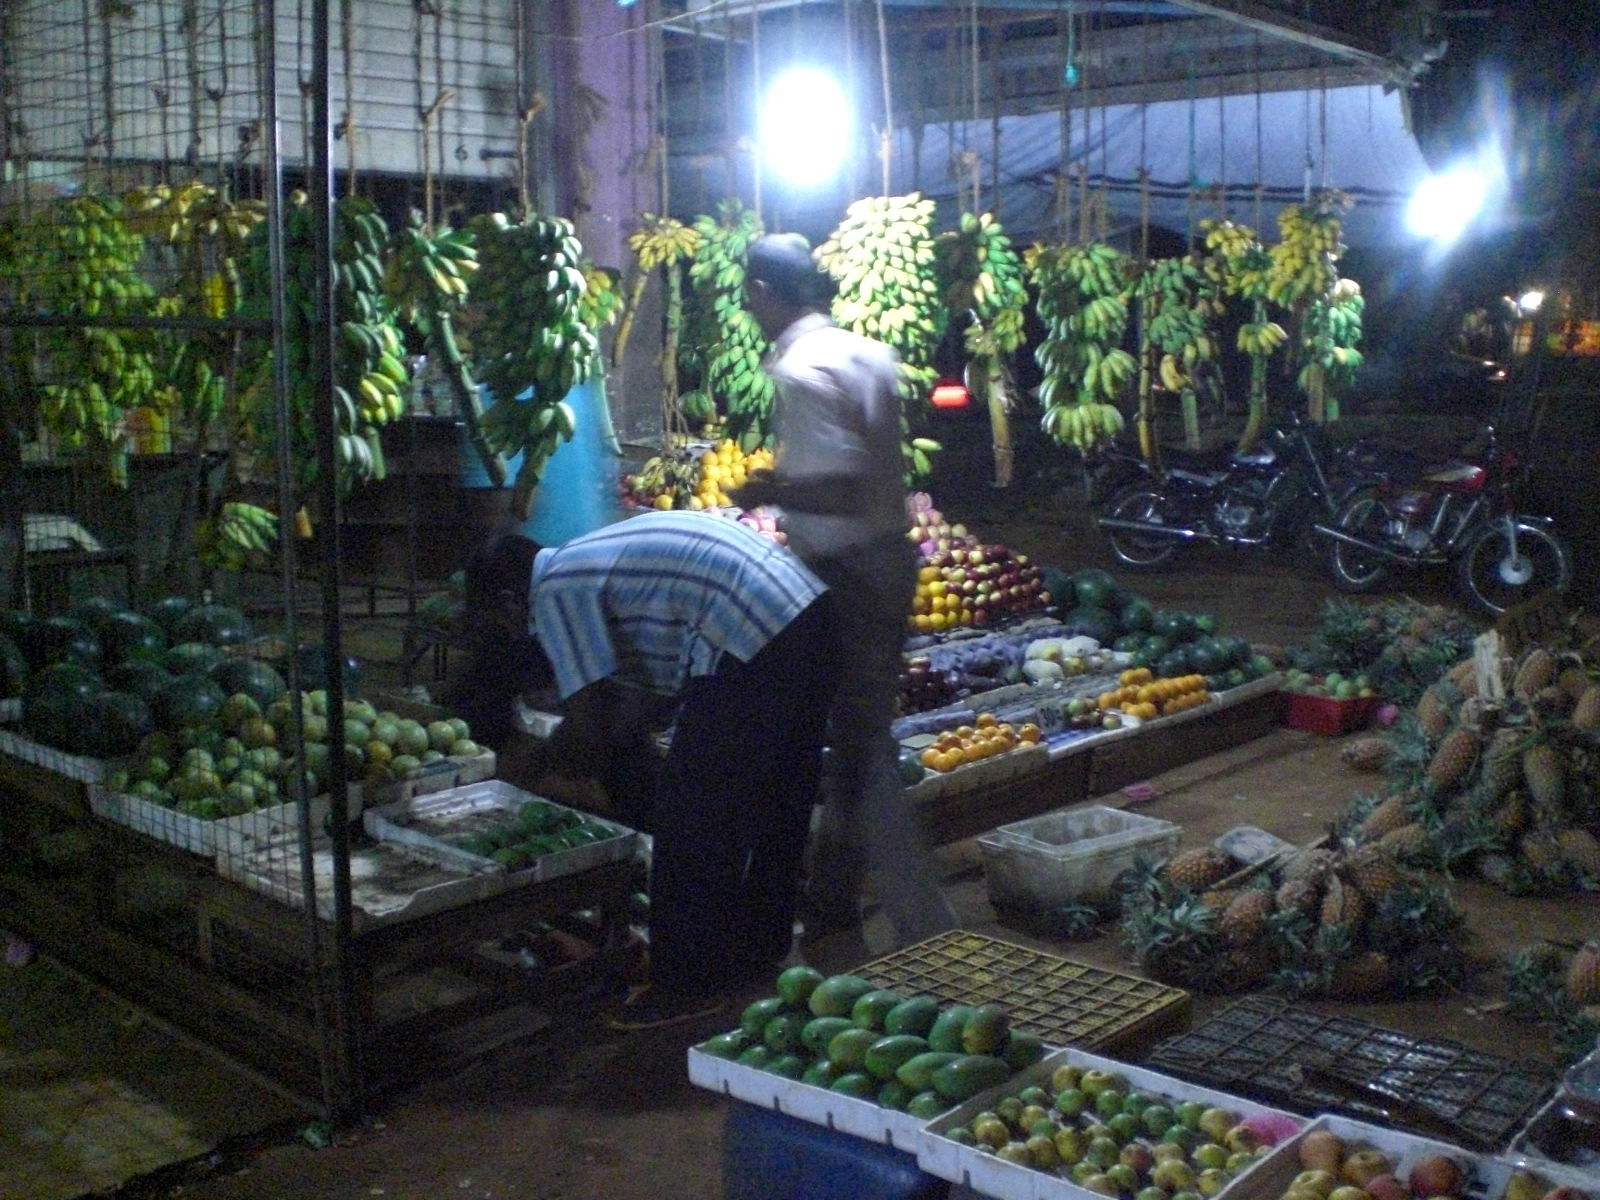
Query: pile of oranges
1144,696
722,469
984,738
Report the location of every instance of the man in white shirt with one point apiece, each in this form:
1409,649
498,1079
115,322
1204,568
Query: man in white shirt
838,479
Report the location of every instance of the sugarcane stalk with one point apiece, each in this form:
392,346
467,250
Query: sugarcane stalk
442,338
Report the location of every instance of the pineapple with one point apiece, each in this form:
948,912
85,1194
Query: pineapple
1245,967
1310,865
1405,842
1198,869
1433,714
1545,776
1464,676
1452,762
1219,898
1245,919
1367,754
1342,904
1583,975
1541,852
1388,816
1502,763
1537,670
1586,711
1511,816
1581,851
1573,680
1373,873
1365,974
1299,895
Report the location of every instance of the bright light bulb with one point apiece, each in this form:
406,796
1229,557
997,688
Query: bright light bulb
805,126
1531,302
1444,205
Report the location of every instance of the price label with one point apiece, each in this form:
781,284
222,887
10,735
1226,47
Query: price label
1541,621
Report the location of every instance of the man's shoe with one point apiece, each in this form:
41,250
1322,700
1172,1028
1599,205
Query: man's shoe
653,1007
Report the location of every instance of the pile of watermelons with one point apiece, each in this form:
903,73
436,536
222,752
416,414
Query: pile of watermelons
1170,642
100,679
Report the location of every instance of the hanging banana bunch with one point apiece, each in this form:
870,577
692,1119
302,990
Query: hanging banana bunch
80,257
239,536
1330,336
665,242
531,343
1083,302
1242,265
425,279
981,274
1303,278
882,258
1184,304
723,331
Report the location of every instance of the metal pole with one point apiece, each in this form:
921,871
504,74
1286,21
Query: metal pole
320,188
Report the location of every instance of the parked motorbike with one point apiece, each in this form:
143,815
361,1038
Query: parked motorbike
1269,495
1461,514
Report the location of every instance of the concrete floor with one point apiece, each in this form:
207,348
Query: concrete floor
594,1114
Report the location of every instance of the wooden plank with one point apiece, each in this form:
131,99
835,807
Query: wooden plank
1129,760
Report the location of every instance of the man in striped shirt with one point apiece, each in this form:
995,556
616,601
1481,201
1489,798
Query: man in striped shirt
737,631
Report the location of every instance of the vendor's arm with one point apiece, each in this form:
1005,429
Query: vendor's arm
824,495
589,723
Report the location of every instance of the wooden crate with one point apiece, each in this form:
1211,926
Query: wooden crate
1121,761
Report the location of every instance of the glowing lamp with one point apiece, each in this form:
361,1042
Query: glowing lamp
805,126
951,393
1444,205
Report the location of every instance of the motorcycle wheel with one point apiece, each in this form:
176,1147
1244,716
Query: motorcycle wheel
1354,569
1137,550
1493,581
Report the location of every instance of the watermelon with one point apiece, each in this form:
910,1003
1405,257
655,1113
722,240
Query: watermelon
94,612
115,724
1094,588
53,704
1207,656
138,677
13,669
219,624
1205,622
169,610
63,678
1156,645
51,640
1175,626
1128,643
1137,616
131,635
255,679
1237,649
188,701
1173,663
1091,622
198,657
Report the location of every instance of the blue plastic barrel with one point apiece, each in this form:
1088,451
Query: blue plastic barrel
769,1156
578,490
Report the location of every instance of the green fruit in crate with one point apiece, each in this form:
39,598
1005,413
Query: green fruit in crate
986,1029
257,732
870,1010
1021,1051
756,1014
188,701
461,729
836,995
782,1032
412,738
857,1084
819,1031
917,1072
796,984
260,682
887,1055
945,1033
465,748
386,729
849,1048
403,764
115,723
926,1105
361,710
726,1045
441,734
915,1015
238,798
788,1064
969,1075
755,1056
237,709
821,1073
218,624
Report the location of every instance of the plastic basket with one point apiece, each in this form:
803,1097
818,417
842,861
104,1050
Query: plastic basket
1073,855
1261,1048
1065,1003
1324,714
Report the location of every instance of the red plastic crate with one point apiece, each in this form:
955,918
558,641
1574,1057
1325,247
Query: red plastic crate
1324,714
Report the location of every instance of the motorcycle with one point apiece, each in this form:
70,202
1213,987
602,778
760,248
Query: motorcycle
1266,496
1461,514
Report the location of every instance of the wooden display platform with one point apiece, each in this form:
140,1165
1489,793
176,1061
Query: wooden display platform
1100,767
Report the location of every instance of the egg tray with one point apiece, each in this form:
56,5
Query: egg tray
1065,1003
1281,1054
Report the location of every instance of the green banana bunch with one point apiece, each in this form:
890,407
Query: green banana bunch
602,302
1083,302
980,272
1238,263
882,258
730,343
1261,338
531,343
240,535
1184,303
1330,335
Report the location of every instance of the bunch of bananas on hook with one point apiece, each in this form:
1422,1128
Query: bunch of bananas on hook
981,273
733,343
660,240
1261,338
1083,302
1081,426
1303,260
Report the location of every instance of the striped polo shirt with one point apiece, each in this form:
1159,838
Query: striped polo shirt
660,597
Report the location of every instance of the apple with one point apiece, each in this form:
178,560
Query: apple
1361,1165
1167,1151
1349,1192
1171,1175
1242,1137
1070,1144
1322,1149
1435,1175
1315,1179
1386,1187
1209,1154
1139,1156
1095,1081
1211,1181
1215,1123
1124,1176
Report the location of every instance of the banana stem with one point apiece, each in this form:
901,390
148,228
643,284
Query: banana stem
999,418
442,335
1191,418
673,423
625,330
1258,388
1147,306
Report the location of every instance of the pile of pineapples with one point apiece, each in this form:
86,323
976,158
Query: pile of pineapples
1399,644
1507,789
1559,989
1330,919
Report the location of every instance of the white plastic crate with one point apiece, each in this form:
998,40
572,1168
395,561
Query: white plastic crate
215,836
72,766
992,1176
432,821
1070,856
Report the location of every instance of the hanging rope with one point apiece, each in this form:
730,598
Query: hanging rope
1322,181
218,93
755,91
887,136
1261,171
347,126
162,92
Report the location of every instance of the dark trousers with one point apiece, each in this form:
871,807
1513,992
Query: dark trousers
733,807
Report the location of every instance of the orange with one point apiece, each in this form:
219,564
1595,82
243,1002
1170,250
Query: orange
985,720
1029,733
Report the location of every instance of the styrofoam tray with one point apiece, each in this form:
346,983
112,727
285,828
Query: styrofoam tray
833,1110
73,766
1270,1178
992,1176
1524,1155
986,772
388,883
1219,700
430,820
216,836
433,777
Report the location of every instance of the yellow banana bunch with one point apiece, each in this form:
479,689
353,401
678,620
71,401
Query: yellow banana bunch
1303,261
1261,337
1172,376
661,239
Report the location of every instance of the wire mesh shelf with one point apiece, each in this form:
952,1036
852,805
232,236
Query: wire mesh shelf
1302,1060
1064,1002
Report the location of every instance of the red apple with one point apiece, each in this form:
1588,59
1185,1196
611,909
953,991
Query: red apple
1435,1175
1386,1187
